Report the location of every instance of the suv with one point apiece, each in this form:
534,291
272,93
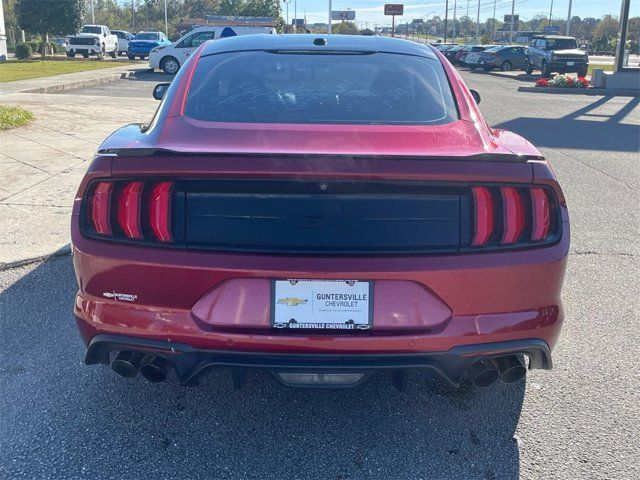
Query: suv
553,53
123,40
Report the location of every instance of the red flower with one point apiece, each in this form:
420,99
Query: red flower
542,82
583,82
570,81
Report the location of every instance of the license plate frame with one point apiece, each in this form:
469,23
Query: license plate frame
295,305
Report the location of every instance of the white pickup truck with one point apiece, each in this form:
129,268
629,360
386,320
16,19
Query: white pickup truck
93,40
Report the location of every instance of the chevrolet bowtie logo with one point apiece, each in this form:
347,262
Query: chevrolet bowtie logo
291,302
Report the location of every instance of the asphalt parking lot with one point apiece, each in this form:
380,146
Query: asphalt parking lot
59,418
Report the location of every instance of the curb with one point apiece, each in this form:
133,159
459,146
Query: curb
64,251
84,83
582,91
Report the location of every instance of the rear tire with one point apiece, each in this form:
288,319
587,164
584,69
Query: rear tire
546,73
71,55
529,70
114,54
131,57
142,57
506,66
85,55
169,65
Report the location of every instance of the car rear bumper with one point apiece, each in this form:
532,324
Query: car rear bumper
191,364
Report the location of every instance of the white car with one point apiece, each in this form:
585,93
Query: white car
123,40
93,40
170,58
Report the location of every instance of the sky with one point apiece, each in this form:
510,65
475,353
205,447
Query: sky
372,11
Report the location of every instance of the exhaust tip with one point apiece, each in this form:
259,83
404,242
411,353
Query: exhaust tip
511,369
154,369
126,363
483,374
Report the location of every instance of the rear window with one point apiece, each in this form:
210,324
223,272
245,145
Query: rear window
147,36
561,43
300,87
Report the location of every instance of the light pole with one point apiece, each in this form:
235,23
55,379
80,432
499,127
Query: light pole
329,24
513,7
493,22
93,15
550,13
287,2
446,18
478,23
569,19
453,33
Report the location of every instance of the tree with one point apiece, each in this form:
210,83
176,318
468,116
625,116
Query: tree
56,18
345,28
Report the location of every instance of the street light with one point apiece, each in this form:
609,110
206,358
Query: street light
287,2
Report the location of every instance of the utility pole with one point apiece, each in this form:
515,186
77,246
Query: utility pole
93,15
478,23
493,22
446,19
133,15
166,21
329,24
466,23
569,19
453,33
3,37
550,13
513,7
295,16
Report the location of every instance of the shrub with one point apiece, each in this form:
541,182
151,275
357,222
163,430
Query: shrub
23,50
51,47
563,81
34,46
12,116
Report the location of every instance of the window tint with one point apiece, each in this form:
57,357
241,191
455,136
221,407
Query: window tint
561,43
265,87
147,36
196,39
91,30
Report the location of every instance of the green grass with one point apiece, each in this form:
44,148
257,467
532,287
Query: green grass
606,68
12,116
25,69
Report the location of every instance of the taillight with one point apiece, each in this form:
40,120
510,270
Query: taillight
541,208
160,211
129,202
101,208
511,216
483,221
130,210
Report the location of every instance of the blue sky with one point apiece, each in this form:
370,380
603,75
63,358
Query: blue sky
372,11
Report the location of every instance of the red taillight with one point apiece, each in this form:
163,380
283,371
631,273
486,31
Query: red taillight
160,211
101,208
483,208
513,215
541,209
129,210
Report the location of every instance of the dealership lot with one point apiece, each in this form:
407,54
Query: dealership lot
62,419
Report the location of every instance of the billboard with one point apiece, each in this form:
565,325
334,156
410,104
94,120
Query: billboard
507,19
393,9
343,15
553,29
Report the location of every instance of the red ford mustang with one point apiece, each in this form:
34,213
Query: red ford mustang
323,208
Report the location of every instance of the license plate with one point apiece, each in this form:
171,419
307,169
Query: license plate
570,64
299,304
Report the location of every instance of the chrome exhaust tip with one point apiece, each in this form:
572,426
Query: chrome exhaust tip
154,368
126,363
483,374
511,368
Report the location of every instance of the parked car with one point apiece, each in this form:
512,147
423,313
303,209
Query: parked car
142,44
272,218
554,53
452,52
123,40
506,58
472,57
169,58
93,40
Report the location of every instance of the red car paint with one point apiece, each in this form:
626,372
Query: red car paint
221,300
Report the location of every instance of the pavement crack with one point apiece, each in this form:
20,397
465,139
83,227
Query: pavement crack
609,254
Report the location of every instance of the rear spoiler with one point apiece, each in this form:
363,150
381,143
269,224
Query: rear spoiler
163,152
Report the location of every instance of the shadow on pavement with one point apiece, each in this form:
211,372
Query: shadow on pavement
64,419
606,134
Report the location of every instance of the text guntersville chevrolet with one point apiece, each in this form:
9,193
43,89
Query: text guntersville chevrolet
324,208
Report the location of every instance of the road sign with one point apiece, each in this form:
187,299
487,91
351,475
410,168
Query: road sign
507,19
553,29
343,15
394,9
